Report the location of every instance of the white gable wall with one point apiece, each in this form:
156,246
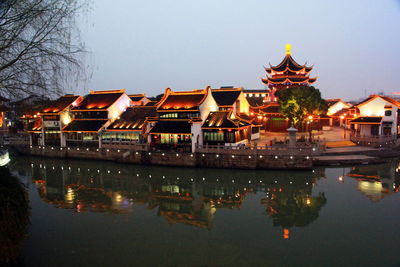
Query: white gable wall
119,106
209,104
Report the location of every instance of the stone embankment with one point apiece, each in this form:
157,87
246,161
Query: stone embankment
225,158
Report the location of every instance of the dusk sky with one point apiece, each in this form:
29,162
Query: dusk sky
146,46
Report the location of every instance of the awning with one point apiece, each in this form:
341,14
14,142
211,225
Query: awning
85,126
367,120
171,127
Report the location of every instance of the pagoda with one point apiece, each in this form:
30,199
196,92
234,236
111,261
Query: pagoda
287,74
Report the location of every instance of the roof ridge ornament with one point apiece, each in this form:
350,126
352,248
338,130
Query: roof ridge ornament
288,49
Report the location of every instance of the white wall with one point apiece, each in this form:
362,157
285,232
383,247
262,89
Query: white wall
196,132
376,107
118,107
244,104
208,105
336,107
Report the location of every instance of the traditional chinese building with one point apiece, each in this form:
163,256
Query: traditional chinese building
55,116
180,115
374,117
91,116
130,127
139,100
287,74
232,99
225,127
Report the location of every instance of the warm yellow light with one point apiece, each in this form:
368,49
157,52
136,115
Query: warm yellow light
310,117
288,49
308,201
342,117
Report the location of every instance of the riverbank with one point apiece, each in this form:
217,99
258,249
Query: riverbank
279,158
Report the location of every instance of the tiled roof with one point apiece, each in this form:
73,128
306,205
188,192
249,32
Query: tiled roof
367,120
225,97
98,101
60,104
290,63
223,120
132,119
171,127
137,97
151,103
188,100
85,126
386,98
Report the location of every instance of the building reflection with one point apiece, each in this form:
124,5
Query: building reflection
377,183
181,196
290,203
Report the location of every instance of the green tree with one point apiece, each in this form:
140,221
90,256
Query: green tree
297,103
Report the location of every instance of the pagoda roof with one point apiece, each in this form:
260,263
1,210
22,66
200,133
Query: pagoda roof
182,101
60,104
85,125
171,127
224,120
288,64
289,80
99,100
226,97
133,119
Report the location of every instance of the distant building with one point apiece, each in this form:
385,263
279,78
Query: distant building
92,116
287,74
375,116
45,128
180,116
139,100
232,99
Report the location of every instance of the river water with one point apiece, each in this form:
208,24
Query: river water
88,213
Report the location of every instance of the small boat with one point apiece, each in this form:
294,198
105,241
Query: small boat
4,157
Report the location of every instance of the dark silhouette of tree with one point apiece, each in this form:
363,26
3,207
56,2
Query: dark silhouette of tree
14,216
40,50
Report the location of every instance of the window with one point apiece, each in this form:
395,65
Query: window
214,136
388,113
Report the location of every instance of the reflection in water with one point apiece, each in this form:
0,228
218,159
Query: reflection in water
186,196
14,216
171,216
293,206
377,183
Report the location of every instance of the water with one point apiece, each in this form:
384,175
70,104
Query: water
86,213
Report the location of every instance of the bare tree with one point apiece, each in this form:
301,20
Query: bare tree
40,48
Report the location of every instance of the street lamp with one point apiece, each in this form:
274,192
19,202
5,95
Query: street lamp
344,126
310,119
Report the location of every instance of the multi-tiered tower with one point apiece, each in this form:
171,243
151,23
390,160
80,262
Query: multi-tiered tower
287,74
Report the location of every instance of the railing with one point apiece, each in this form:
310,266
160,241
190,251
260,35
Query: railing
259,150
125,145
380,140
14,140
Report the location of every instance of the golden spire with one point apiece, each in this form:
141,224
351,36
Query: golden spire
288,49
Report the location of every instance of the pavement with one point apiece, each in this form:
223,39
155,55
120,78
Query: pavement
340,150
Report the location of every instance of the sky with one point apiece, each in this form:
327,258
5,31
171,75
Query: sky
147,46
